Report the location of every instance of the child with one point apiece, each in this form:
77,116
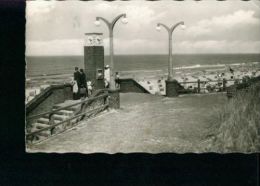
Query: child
75,89
89,87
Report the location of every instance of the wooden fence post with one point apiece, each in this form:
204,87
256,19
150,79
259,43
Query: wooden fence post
198,85
224,84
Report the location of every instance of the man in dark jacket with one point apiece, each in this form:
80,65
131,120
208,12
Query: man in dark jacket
76,74
83,83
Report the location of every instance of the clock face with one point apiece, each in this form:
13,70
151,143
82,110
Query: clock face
93,40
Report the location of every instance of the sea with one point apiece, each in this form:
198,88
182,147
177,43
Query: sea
56,65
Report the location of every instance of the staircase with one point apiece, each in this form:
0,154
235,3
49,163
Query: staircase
153,86
58,117
64,115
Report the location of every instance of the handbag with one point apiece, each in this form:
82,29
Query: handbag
82,90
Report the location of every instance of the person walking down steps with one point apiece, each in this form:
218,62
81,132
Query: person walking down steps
83,84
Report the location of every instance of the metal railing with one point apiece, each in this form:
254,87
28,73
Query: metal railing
86,108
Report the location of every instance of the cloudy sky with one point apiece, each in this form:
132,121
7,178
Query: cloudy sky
57,28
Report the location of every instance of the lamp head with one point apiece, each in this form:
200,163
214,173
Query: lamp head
97,22
183,26
158,28
124,20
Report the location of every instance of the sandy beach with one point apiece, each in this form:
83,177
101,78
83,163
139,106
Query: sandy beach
154,80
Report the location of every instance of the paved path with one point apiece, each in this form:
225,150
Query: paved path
145,123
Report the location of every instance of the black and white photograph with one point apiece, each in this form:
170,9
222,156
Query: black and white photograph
142,77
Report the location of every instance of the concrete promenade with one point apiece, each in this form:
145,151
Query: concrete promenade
144,123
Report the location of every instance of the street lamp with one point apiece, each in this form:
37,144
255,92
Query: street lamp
170,31
110,28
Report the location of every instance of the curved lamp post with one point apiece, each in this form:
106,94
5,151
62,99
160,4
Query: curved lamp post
111,26
170,31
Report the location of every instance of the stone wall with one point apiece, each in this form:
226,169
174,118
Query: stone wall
49,97
130,85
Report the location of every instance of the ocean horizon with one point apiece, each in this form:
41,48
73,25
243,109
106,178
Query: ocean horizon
52,65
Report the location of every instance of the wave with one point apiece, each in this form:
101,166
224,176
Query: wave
131,71
193,67
216,65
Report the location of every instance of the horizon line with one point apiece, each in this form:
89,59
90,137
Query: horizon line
142,54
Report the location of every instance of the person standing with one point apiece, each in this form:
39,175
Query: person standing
231,70
117,80
107,76
107,73
76,83
75,89
89,87
82,84
76,74
106,82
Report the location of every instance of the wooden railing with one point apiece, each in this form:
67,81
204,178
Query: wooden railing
198,87
241,84
87,108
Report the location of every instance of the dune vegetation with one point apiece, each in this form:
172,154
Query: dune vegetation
236,126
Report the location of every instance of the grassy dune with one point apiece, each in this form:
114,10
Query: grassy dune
236,125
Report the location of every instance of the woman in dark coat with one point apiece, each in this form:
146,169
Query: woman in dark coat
82,84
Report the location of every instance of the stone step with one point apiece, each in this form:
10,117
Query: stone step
45,116
74,108
56,121
46,121
40,125
65,112
44,133
39,138
60,117
43,120
73,121
56,107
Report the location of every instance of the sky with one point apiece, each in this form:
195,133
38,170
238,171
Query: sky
58,27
